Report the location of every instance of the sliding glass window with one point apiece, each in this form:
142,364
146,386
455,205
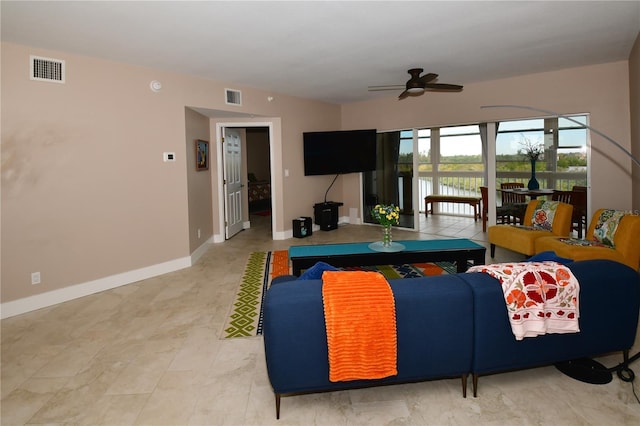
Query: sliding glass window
564,161
456,168
450,162
391,182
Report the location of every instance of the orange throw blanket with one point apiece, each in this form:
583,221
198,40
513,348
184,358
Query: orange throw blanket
360,317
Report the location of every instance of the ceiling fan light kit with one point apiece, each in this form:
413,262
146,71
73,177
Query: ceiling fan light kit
417,85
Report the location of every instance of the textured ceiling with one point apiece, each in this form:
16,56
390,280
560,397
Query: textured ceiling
331,51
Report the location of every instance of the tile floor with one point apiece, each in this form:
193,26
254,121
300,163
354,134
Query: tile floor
149,353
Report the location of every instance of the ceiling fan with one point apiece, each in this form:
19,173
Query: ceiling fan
417,85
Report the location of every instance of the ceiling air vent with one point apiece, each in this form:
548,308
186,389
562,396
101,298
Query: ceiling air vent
47,69
232,97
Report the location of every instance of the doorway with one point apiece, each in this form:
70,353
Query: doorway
392,181
256,175
258,171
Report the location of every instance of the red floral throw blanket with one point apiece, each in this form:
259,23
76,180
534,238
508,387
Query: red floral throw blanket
541,297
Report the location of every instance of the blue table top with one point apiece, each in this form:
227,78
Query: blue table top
363,248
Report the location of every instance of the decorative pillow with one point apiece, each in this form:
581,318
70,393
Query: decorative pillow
282,279
543,215
549,256
606,226
315,272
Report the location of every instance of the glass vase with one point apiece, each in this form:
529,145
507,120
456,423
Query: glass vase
386,236
533,182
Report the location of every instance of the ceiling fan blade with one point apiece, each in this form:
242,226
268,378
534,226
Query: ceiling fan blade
403,95
379,88
417,84
428,77
442,86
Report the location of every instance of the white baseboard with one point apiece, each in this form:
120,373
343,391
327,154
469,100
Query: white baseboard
284,235
197,254
50,298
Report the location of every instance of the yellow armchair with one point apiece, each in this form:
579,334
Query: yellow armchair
626,243
522,239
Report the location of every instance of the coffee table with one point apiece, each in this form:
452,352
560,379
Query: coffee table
460,251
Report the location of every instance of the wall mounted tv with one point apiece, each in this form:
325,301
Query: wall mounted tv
339,152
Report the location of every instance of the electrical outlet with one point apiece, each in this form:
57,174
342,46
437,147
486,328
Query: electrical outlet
198,233
35,278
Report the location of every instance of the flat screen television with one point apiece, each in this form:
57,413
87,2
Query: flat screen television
339,152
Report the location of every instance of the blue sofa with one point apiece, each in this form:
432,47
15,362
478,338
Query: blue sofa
448,326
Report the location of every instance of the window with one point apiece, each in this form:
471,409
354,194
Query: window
572,145
450,161
405,155
424,150
510,140
564,162
460,149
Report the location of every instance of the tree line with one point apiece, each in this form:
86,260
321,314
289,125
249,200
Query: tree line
504,162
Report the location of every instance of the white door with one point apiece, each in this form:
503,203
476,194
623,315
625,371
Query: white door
232,149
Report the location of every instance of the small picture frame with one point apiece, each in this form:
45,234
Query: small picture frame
202,155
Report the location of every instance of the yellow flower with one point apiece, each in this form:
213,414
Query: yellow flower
386,214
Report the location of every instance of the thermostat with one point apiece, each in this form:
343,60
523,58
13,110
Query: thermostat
169,156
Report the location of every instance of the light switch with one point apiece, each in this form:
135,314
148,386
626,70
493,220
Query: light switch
169,156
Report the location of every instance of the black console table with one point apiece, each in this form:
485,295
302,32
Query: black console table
326,215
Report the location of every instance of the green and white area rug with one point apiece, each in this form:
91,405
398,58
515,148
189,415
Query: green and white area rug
245,315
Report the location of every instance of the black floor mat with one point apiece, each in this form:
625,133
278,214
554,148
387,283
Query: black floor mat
586,370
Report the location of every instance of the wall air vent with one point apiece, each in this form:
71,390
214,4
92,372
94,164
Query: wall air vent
46,69
232,97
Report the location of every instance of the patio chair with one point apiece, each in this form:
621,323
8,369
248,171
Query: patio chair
564,196
515,203
578,199
579,202
502,213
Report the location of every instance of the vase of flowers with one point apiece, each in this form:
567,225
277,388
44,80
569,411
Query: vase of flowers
386,236
532,151
387,216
